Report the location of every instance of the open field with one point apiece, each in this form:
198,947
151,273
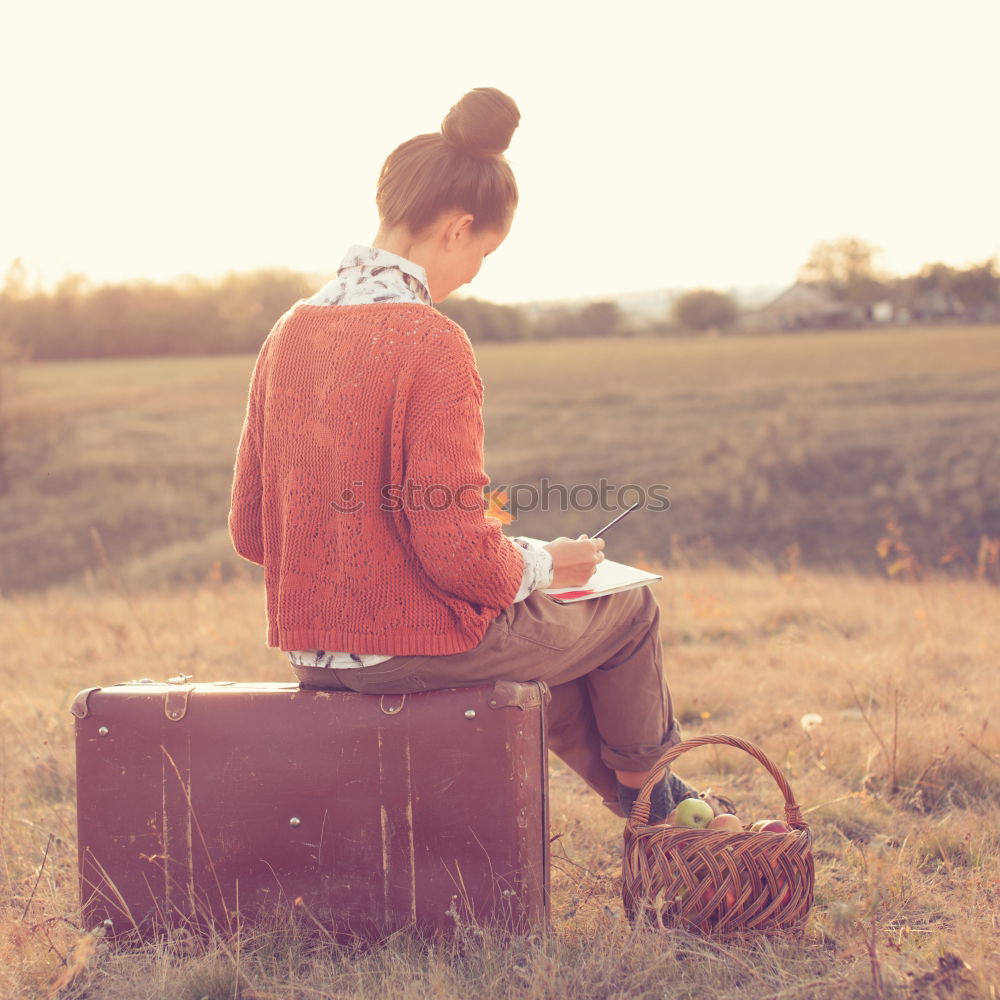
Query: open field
785,459
808,444
906,816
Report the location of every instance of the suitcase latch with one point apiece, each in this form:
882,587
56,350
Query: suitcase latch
175,703
513,694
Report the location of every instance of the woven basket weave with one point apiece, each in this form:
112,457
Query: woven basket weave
719,882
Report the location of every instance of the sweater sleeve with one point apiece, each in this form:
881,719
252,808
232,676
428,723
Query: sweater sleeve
461,549
245,528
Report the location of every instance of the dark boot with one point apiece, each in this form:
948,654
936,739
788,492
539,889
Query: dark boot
663,799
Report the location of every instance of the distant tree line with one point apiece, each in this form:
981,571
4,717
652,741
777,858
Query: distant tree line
486,321
8,366
79,319
847,270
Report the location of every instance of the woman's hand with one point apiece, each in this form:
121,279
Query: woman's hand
574,562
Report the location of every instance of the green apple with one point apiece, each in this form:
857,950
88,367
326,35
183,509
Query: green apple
695,814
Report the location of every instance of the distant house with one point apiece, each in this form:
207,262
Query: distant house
804,307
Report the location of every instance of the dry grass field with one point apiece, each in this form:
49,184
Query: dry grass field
900,780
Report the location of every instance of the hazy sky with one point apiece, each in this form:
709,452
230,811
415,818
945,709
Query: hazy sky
662,143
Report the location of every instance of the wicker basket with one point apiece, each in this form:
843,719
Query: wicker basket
719,882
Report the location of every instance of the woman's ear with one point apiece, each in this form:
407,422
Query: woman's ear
457,229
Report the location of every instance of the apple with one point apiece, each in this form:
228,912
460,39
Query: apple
770,826
776,885
695,814
709,894
777,826
779,881
726,821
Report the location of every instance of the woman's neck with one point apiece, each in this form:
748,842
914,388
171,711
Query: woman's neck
399,241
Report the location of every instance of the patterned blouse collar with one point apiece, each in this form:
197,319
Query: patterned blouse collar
369,274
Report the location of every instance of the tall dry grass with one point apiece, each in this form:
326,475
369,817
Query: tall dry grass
900,781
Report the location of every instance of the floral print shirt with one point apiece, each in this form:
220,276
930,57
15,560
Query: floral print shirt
367,275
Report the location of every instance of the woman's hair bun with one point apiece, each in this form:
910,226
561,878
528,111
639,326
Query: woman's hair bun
482,122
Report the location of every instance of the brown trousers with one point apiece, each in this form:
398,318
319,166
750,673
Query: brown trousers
602,659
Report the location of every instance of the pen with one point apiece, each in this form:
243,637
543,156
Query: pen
597,534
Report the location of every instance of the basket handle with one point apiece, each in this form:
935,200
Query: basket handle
639,814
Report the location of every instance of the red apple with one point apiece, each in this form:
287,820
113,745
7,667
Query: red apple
709,894
726,821
778,881
786,896
770,826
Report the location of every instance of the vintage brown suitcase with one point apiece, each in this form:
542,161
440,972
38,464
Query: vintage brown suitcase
213,804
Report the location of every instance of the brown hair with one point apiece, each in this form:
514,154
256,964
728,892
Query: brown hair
461,167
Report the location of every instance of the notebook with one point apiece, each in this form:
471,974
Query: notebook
608,578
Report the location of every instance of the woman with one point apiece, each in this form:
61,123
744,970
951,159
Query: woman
359,486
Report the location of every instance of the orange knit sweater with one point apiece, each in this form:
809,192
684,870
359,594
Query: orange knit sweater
358,484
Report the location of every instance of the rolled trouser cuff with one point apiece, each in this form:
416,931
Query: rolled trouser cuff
318,677
640,758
